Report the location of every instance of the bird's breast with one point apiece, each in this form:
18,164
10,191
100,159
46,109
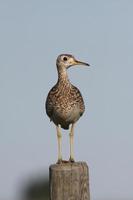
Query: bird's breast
66,105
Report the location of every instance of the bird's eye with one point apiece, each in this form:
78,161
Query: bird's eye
65,58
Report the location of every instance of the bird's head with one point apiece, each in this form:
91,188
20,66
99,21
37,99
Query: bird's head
67,60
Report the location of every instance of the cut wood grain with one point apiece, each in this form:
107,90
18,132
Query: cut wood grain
69,181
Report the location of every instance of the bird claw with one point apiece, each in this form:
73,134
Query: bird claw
59,161
71,160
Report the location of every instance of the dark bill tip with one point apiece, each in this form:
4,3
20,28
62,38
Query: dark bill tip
82,63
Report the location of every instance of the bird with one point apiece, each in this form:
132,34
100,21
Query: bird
64,103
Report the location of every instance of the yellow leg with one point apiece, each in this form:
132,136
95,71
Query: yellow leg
59,137
71,135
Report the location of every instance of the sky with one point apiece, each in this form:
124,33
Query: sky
32,35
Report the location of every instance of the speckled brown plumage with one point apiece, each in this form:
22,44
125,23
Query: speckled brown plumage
64,103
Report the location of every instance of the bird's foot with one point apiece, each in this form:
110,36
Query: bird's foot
71,160
59,161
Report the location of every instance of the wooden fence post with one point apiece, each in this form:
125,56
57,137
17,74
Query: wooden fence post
69,181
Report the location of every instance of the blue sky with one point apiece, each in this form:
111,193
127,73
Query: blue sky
32,35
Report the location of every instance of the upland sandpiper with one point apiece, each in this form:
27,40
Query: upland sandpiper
64,103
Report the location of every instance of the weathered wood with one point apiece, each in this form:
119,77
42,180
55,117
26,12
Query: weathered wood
69,181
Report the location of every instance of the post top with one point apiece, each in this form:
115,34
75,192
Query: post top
68,165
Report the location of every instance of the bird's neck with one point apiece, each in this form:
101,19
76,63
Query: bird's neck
62,75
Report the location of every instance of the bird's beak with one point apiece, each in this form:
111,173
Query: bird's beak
77,62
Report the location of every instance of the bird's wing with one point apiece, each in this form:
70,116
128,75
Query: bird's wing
79,99
49,106
50,102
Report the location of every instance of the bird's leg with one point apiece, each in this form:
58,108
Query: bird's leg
71,135
59,137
